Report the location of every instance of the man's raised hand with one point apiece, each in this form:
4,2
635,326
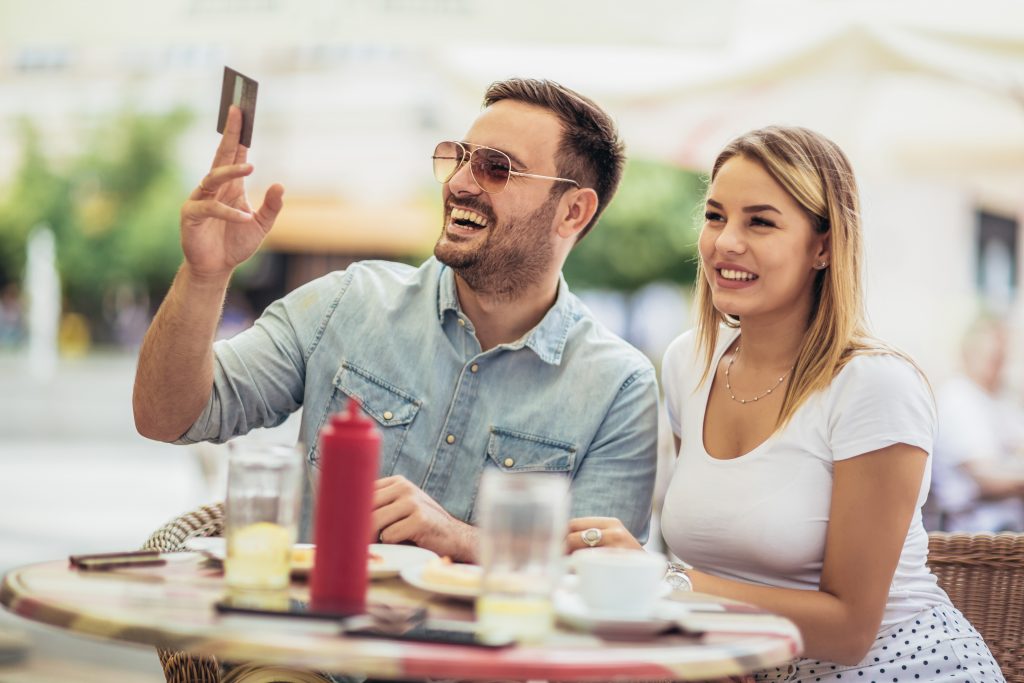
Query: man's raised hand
219,229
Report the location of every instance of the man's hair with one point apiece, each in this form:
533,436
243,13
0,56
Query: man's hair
590,151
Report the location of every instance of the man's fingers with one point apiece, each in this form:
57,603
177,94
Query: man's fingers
228,146
273,202
241,154
217,177
211,208
385,516
399,532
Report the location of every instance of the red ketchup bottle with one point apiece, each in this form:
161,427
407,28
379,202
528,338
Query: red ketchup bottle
349,451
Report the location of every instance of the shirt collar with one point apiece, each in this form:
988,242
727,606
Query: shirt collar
547,339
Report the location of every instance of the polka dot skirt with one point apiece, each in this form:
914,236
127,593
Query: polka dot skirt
938,644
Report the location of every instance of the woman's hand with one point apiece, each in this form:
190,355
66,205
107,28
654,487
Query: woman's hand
613,534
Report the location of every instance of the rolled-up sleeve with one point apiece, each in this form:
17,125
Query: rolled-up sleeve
259,374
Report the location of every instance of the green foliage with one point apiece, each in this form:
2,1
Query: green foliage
113,208
648,233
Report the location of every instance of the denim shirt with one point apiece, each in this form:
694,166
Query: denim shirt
568,397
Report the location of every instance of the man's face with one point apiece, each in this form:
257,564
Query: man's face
502,243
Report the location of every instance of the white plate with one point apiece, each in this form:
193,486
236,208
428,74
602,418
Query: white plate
414,577
573,612
392,557
395,558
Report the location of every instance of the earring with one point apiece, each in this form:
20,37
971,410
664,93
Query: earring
820,265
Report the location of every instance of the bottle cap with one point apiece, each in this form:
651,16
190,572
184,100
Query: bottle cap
352,418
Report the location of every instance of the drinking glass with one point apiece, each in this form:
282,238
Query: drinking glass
261,515
523,523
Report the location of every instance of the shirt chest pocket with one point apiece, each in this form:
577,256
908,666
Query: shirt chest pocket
513,451
392,408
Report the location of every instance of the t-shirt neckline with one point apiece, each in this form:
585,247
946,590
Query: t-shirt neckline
706,397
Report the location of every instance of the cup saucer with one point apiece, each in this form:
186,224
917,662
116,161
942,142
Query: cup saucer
572,611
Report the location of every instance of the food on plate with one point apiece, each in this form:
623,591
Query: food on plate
447,573
302,556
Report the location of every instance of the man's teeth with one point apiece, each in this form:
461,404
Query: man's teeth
469,217
737,275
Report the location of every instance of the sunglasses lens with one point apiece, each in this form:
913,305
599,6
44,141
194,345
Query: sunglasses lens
490,169
447,158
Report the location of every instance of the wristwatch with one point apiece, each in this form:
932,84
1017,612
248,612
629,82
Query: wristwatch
676,577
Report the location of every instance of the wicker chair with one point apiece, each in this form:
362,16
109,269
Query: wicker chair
208,520
182,667
983,574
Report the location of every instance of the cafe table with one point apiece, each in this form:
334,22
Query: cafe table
172,607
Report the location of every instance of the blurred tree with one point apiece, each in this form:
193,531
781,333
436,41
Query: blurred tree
647,234
113,208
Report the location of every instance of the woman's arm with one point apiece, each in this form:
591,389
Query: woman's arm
873,500
874,496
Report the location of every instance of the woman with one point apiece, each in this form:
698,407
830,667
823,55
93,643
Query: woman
803,443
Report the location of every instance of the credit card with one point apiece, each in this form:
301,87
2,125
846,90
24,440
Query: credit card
239,90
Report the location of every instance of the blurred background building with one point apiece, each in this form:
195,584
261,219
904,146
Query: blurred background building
107,117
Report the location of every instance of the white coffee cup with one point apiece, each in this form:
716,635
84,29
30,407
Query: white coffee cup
615,582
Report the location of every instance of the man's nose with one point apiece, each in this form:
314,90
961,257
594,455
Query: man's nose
462,183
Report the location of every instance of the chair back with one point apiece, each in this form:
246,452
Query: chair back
983,574
208,520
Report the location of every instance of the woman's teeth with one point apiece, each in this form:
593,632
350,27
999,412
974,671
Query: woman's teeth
737,275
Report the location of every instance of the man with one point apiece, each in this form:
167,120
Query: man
978,473
479,358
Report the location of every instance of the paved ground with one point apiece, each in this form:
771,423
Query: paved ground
75,477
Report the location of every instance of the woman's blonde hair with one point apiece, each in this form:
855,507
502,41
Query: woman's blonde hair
817,174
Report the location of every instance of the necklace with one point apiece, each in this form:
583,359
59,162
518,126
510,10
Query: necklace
757,397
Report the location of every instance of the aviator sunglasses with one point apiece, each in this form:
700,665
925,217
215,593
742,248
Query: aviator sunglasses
490,168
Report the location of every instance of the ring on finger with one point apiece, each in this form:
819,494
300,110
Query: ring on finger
592,537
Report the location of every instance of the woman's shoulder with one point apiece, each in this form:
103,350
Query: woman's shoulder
879,368
881,381
686,347
880,397
682,346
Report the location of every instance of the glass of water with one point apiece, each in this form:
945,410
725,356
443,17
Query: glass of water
261,515
523,520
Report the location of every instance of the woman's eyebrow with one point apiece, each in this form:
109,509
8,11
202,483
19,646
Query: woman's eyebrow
747,209
760,207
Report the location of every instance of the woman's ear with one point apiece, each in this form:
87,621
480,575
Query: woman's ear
823,256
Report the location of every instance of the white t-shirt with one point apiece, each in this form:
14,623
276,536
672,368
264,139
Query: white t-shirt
762,517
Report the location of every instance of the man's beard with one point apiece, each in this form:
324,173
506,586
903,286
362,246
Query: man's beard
514,255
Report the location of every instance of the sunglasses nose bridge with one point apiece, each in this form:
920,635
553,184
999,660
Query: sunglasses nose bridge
465,166
461,162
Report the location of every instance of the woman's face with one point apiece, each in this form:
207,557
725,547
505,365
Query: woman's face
758,245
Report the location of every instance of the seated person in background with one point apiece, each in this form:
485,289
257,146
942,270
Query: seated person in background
803,442
978,484
479,358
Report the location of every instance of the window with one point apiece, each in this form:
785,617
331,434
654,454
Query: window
996,257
